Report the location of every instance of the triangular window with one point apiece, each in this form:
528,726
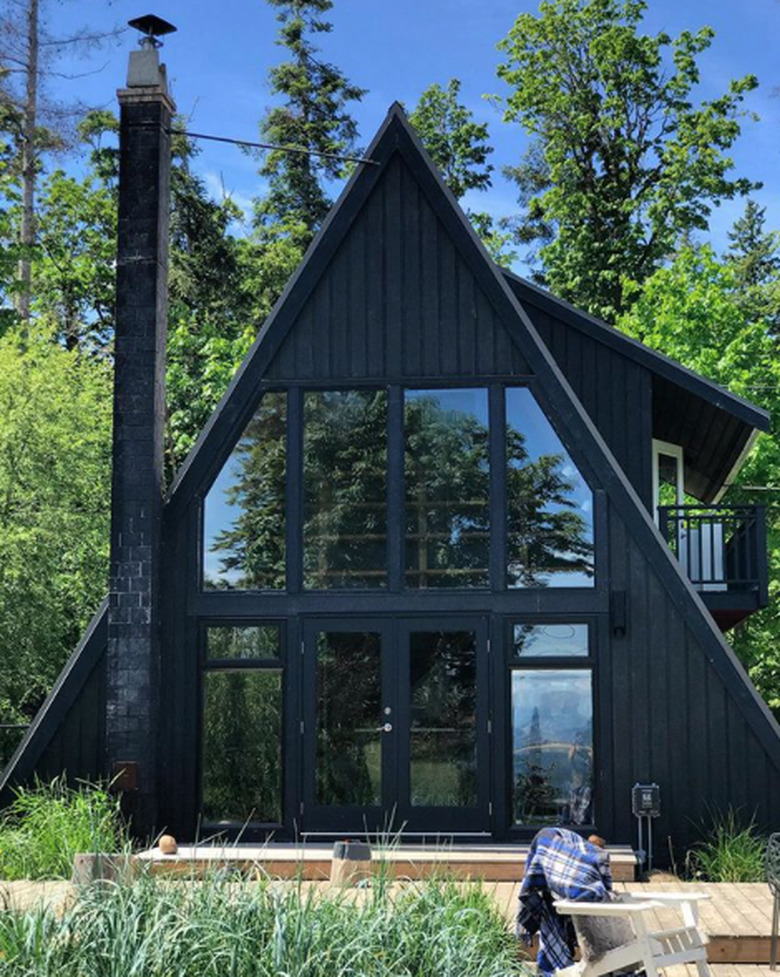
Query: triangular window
244,511
549,503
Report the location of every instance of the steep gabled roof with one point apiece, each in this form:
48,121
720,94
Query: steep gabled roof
715,427
656,362
646,568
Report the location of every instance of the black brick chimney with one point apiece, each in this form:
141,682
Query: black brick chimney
133,662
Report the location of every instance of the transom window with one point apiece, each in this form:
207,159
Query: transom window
429,475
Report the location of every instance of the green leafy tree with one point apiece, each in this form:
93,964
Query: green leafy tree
623,161
460,148
457,144
10,252
55,443
212,317
212,311
73,278
313,116
694,311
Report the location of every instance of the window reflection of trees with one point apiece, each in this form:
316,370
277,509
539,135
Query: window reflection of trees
550,534
348,696
447,496
345,489
247,506
443,746
447,474
242,746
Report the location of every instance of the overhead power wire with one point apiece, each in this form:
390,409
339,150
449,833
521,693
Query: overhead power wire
281,149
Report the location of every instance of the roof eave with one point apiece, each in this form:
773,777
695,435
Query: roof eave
653,360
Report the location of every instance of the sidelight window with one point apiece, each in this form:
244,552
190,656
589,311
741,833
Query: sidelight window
241,739
552,725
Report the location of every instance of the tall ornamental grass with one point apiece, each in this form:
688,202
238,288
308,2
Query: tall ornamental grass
48,824
159,928
732,850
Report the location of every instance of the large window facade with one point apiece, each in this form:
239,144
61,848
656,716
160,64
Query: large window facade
395,533
483,473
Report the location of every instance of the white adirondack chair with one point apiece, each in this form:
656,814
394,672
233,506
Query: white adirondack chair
649,950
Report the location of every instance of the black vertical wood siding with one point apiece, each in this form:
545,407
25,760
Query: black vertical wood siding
398,300
78,747
614,390
68,734
674,720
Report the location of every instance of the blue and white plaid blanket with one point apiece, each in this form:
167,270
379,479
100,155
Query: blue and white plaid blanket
560,865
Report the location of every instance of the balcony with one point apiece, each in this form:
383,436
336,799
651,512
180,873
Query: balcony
723,550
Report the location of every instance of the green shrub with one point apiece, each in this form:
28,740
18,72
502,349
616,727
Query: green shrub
158,927
48,824
731,851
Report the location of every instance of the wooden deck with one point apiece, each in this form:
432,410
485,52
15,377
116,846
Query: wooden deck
737,919
491,863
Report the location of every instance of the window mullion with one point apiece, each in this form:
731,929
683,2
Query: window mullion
395,489
294,541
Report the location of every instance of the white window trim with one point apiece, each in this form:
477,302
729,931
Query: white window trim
674,451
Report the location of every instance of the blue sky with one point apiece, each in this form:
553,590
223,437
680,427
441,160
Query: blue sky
218,63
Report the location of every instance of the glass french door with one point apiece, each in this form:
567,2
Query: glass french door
395,726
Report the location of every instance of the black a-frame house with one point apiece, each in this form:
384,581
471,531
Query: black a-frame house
413,574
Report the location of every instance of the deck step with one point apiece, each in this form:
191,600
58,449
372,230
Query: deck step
491,863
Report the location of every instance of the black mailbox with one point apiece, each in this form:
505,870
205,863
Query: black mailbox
646,800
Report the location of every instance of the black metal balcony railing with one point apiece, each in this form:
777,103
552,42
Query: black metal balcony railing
721,548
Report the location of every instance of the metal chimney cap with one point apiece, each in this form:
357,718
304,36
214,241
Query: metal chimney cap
152,27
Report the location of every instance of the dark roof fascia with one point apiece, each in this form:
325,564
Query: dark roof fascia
653,360
60,700
588,447
223,427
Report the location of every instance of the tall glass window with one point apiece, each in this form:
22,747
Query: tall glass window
242,725
345,489
551,683
447,488
443,727
244,511
552,746
549,503
349,717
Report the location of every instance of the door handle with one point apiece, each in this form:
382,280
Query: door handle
386,728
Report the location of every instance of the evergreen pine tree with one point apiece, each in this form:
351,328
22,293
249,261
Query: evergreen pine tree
754,254
313,116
